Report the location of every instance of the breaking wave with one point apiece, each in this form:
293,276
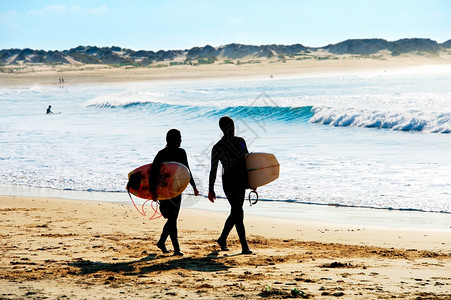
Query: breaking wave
275,113
399,120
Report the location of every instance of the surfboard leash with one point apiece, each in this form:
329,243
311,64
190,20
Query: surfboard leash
249,197
156,213
154,206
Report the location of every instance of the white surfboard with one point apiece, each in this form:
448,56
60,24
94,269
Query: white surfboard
262,168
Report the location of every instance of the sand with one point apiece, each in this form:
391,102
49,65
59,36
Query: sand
44,75
59,248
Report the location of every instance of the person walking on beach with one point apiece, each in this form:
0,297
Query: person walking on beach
230,150
49,110
170,208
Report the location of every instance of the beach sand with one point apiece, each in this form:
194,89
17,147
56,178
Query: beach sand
44,75
74,249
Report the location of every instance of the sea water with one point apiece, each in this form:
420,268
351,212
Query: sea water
378,139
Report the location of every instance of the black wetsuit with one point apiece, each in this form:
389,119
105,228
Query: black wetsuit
230,151
169,208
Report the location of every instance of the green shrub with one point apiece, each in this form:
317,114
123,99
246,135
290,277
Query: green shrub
205,61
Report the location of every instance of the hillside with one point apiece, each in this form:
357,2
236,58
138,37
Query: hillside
230,53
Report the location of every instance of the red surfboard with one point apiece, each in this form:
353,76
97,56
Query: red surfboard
172,181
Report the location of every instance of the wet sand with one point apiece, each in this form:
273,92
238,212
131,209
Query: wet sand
59,248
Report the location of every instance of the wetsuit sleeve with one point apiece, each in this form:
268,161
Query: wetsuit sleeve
153,178
214,168
185,162
244,149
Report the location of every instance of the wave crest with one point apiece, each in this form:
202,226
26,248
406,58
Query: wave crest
399,119
124,99
402,121
277,113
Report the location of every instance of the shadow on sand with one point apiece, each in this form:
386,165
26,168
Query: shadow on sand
149,264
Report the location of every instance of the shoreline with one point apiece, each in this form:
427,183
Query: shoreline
105,74
381,218
104,249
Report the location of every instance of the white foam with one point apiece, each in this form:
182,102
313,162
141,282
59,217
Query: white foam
433,122
120,99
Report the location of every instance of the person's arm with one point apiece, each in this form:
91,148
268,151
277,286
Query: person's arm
191,180
213,171
244,147
153,177
244,153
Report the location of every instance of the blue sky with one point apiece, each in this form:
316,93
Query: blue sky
176,24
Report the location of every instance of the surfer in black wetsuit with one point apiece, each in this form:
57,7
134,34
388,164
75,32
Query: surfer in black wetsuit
230,151
49,110
170,208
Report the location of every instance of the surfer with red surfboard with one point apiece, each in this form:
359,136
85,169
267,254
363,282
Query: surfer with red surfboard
230,150
169,208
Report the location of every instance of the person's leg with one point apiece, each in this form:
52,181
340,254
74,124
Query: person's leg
165,211
237,214
163,237
173,232
235,196
230,221
222,240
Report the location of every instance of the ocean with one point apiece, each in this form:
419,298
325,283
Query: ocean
366,141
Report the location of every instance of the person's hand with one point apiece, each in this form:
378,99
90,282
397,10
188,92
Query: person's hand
196,192
212,196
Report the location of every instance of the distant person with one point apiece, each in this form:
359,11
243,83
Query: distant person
49,110
230,150
170,208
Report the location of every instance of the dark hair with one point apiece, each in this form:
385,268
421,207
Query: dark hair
173,137
226,124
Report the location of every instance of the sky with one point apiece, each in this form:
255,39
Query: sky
176,24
